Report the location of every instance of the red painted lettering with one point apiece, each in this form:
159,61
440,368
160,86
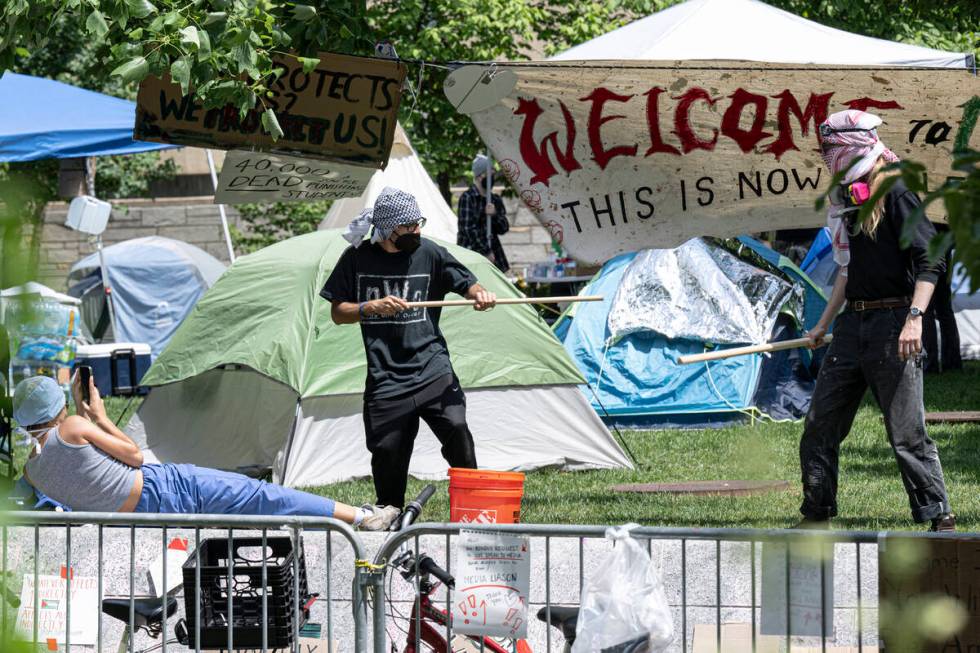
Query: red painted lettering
682,121
600,154
817,109
653,124
536,155
730,122
865,103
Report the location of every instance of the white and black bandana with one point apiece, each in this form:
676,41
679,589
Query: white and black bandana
392,207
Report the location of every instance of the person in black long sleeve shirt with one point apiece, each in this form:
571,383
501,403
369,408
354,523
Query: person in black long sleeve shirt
480,224
878,337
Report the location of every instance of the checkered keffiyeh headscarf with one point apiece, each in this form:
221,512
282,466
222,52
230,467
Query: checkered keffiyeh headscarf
392,207
846,137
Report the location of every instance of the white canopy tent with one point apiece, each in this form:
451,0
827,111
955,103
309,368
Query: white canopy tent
750,30
404,172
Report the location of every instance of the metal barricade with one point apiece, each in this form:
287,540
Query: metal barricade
711,576
114,538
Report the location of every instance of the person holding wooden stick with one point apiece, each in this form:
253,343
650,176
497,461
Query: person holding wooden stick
482,216
884,289
409,374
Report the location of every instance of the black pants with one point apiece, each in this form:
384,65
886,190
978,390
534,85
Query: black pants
946,356
864,353
391,426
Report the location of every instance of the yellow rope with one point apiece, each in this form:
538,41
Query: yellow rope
367,564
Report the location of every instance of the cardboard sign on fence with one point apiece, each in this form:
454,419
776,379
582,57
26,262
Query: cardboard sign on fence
803,594
492,584
343,109
53,613
263,177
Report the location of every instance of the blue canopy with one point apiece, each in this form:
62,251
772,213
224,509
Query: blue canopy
45,119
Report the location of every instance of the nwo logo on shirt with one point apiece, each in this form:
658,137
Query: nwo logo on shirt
411,288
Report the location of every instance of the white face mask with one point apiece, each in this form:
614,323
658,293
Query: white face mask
34,435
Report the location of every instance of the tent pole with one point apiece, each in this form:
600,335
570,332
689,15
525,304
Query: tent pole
106,287
221,209
289,445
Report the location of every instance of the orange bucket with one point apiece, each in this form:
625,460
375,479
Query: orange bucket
483,496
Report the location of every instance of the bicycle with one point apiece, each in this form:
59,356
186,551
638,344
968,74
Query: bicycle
427,623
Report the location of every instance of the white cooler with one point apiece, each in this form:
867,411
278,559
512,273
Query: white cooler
117,367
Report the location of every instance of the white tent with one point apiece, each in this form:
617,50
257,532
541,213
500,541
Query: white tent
405,172
752,31
966,307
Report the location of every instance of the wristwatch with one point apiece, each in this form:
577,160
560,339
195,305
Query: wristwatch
915,312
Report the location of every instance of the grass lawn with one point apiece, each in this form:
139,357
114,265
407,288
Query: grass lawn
871,495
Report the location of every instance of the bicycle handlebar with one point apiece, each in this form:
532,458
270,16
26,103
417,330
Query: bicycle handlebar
428,565
413,509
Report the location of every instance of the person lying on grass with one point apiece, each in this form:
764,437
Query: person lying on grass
86,463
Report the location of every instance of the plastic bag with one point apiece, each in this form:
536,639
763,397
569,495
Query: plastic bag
624,609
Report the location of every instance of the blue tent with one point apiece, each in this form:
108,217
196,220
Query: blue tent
637,380
155,283
45,119
818,263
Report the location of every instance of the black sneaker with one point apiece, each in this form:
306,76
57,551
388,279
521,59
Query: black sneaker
944,523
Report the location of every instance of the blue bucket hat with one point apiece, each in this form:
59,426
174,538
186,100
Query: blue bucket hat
37,400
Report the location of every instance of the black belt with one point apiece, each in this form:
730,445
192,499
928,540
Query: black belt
859,305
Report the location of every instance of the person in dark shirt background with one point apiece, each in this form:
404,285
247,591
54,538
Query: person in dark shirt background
884,290
409,375
481,224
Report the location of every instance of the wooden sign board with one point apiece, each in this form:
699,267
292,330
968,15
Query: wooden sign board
264,177
947,567
618,156
345,109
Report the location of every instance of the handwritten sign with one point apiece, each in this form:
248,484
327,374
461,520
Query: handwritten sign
53,612
344,109
263,177
808,615
947,567
626,155
492,584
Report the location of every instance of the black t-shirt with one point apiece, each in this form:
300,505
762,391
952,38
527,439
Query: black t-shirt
879,267
405,351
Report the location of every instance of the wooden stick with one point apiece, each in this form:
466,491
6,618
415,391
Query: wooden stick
750,349
508,300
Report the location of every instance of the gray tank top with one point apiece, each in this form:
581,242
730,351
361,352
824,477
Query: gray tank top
81,476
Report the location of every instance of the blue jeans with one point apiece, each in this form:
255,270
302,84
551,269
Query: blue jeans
170,488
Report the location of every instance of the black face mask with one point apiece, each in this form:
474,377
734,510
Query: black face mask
408,242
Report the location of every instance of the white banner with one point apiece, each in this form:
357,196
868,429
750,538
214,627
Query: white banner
262,177
492,584
619,156
54,610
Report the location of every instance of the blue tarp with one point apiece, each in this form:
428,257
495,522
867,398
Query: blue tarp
45,119
155,283
638,381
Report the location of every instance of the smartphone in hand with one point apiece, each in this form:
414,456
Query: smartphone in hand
84,376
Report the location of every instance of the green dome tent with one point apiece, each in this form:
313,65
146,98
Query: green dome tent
259,374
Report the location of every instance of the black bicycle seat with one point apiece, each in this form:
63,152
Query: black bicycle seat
563,617
147,611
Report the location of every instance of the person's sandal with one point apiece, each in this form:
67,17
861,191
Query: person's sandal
944,523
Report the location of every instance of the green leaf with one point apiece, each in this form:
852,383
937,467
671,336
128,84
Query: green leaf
96,25
244,55
345,32
136,34
180,72
271,124
140,8
204,51
133,70
304,12
309,63
216,17
21,52
189,38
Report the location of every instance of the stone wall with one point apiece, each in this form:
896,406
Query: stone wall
196,220
192,219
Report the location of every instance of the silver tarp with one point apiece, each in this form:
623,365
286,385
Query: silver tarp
701,292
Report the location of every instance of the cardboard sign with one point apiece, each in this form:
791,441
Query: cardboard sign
620,156
492,584
177,555
344,109
946,567
262,177
806,616
53,613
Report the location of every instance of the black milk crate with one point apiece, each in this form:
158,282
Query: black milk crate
246,592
